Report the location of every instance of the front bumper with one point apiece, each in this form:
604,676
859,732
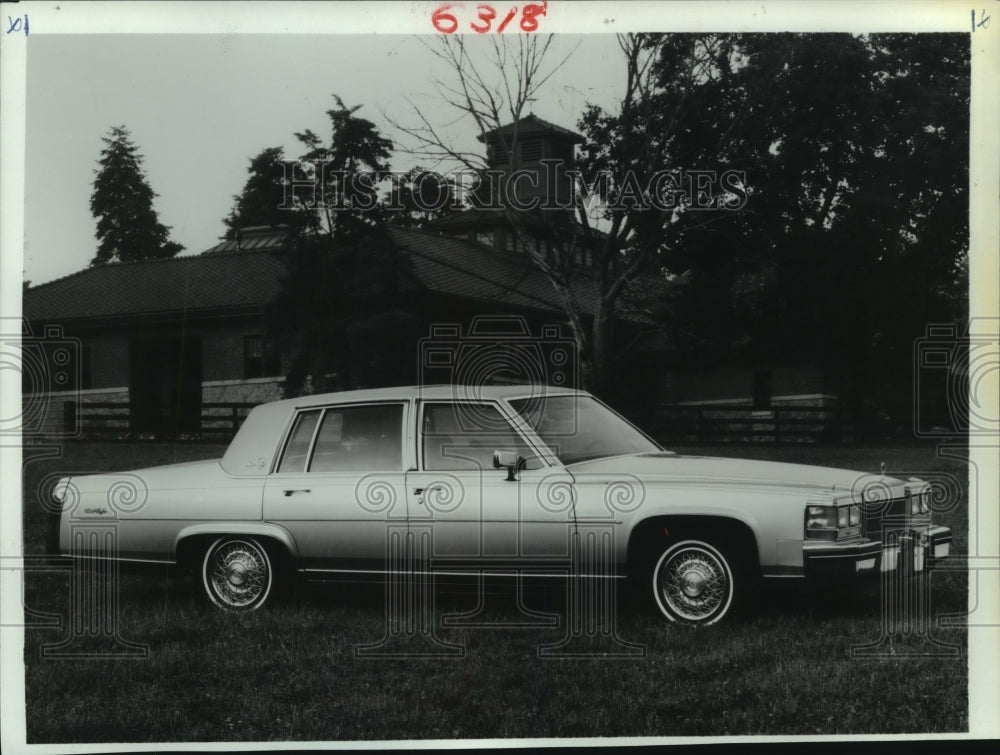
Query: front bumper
907,551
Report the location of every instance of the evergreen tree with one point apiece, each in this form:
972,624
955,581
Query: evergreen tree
122,203
337,313
263,197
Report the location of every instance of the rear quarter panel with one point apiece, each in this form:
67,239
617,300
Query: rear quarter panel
139,514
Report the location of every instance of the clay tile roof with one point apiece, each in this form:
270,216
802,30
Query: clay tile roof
181,284
225,279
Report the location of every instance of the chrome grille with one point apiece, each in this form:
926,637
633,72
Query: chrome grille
881,517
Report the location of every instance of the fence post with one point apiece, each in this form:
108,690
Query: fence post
69,418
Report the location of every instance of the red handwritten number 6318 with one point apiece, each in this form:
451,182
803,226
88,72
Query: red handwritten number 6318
447,23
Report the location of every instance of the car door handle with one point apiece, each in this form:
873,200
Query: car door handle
297,490
418,491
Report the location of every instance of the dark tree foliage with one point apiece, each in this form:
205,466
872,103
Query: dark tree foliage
333,188
855,233
261,203
122,203
338,313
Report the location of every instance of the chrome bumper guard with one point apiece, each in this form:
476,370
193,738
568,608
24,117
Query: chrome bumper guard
911,551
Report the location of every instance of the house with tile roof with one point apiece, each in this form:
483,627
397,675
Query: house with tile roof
168,338
165,340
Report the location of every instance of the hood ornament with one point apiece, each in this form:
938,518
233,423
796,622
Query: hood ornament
883,468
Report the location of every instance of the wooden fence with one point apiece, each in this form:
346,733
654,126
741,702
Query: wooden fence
670,424
740,423
111,420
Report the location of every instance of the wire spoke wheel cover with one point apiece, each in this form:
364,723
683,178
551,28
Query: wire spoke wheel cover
693,583
237,574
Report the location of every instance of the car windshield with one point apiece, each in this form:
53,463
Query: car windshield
578,428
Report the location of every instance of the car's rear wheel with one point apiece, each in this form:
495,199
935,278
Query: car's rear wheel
693,583
237,573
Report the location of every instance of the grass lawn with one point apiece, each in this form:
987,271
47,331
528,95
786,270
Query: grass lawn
292,673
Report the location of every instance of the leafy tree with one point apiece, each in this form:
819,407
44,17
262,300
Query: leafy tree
261,203
855,234
122,203
332,187
338,310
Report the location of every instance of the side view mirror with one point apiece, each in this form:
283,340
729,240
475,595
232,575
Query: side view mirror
511,460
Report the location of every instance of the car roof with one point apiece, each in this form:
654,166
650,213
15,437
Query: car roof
431,393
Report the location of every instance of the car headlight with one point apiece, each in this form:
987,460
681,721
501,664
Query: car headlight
821,517
925,500
832,522
915,504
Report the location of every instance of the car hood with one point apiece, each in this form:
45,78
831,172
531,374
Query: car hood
677,468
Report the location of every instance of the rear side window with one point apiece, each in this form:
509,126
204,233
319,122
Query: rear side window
348,439
359,439
297,450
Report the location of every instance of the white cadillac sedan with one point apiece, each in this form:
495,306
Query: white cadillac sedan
507,480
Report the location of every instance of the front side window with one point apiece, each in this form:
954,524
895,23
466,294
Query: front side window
464,437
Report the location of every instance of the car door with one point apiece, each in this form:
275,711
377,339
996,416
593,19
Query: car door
339,486
479,521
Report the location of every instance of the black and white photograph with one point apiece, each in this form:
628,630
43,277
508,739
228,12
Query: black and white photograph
470,374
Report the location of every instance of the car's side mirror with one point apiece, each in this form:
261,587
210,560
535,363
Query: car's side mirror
511,460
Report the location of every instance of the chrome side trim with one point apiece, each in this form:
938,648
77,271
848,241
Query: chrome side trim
446,573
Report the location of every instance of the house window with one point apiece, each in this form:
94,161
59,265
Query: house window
260,357
761,389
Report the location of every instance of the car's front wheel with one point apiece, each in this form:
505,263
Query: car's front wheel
693,583
237,573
